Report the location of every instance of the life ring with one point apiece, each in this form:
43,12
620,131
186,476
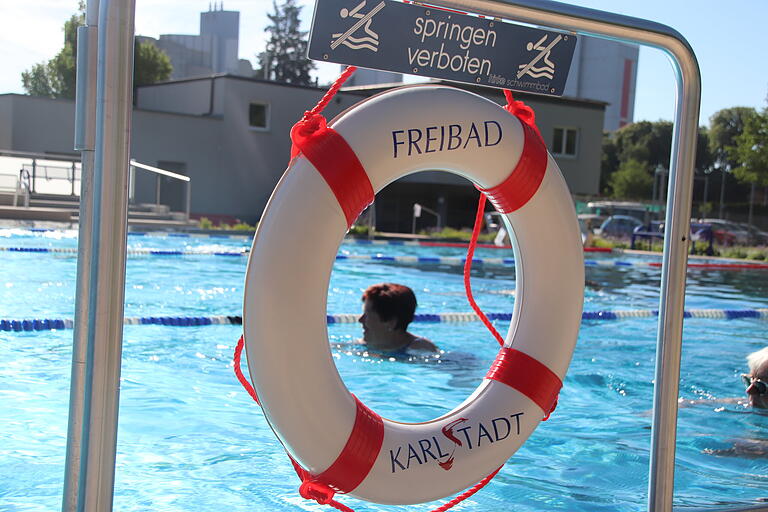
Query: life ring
327,430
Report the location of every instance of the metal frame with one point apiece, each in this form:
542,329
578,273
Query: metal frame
101,265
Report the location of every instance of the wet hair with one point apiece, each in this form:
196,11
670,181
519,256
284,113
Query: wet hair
757,359
391,300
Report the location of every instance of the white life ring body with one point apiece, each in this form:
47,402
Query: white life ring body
284,318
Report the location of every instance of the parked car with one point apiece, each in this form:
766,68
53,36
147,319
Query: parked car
756,235
619,226
726,232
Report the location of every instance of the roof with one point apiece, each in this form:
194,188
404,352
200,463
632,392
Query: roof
484,91
370,90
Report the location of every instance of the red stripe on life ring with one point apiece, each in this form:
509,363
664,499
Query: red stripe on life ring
520,186
338,164
527,375
356,459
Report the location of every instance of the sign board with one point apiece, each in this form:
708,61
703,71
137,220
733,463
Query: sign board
420,40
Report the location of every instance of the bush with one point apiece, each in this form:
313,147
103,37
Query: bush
206,223
462,235
242,226
358,230
603,243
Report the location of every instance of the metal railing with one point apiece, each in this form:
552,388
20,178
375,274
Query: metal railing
59,177
19,186
103,107
159,173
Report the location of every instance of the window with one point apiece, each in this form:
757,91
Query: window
258,116
564,142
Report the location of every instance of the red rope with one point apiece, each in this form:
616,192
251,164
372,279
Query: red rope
316,490
468,269
239,373
469,492
331,92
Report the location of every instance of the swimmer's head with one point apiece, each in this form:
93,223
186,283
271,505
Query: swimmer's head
756,381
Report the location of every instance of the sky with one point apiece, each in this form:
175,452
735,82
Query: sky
725,35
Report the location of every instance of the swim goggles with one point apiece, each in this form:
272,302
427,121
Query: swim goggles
760,386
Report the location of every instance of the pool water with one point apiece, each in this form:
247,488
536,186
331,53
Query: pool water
191,439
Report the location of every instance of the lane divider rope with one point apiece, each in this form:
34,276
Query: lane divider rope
49,324
434,260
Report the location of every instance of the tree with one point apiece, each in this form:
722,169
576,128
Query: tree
751,153
631,181
285,56
56,78
724,126
151,64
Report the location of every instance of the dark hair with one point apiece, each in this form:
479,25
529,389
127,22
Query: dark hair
392,300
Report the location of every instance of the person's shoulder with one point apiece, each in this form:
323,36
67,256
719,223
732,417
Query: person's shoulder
422,344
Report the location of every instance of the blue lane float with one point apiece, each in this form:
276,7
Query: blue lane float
50,324
405,260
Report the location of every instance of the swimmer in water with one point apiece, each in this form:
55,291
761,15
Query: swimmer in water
388,308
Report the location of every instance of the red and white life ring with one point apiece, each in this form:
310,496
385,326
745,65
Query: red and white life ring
322,425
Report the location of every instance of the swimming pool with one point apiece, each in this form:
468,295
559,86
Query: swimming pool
190,438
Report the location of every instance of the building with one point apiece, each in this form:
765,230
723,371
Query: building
229,134
606,71
213,51
364,76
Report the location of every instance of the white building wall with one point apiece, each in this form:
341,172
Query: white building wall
233,166
606,71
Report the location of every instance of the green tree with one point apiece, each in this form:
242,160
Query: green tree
631,181
751,153
648,143
724,126
609,161
151,64
56,78
285,56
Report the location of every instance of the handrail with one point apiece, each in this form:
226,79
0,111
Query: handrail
158,170
163,172
672,298
40,156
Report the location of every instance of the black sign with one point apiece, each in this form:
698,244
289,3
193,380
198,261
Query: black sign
420,40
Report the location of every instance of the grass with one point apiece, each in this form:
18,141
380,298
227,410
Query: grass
206,223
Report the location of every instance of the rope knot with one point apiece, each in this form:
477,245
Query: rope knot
321,493
521,111
304,129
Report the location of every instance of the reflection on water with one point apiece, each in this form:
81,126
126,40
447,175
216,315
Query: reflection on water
191,439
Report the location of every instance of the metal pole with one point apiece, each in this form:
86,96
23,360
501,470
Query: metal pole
74,170
105,262
722,194
684,136
85,124
188,206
